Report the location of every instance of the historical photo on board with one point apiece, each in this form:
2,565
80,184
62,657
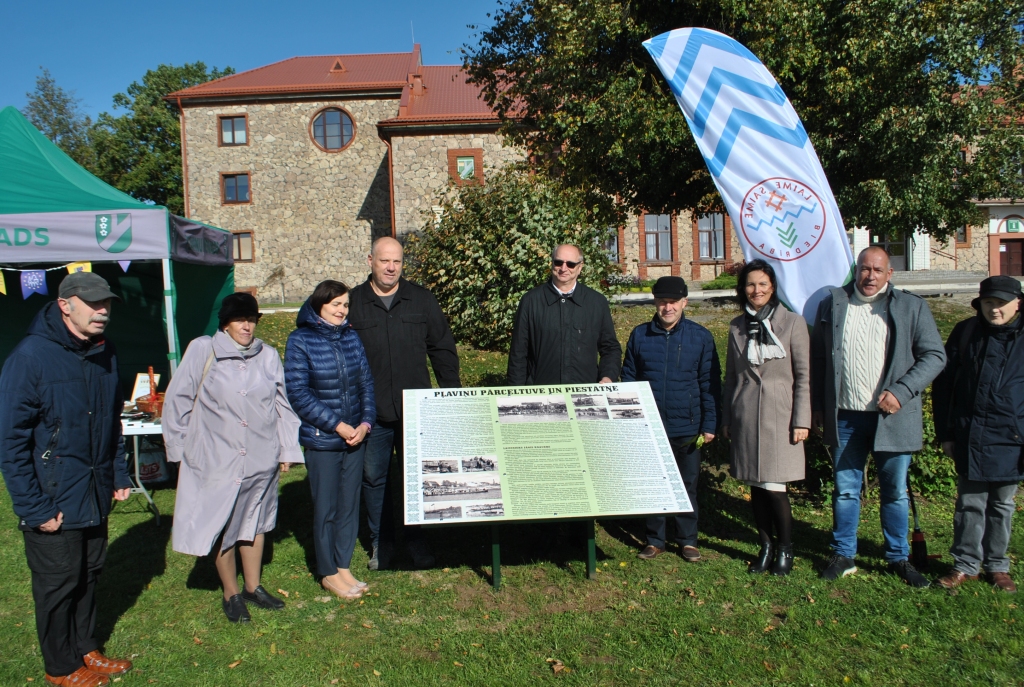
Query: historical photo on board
625,398
587,400
628,414
588,413
486,510
533,409
479,464
440,466
461,489
442,513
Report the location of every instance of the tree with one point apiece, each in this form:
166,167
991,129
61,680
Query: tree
493,242
890,91
57,114
139,152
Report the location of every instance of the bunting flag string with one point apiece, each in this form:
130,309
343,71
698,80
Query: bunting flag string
33,281
79,267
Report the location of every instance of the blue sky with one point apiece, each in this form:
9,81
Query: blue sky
98,48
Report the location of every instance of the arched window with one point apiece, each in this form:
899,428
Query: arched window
333,129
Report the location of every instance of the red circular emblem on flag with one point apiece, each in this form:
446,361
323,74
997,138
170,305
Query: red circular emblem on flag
782,219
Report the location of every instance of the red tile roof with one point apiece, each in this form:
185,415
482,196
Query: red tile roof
445,97
311,75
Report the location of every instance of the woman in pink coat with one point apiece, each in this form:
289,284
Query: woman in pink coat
227,420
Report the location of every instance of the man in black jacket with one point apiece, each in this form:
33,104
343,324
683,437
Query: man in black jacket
400,325
978,404
563,330
62,457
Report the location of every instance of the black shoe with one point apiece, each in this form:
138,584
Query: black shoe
783,561
908,573
838,566
262,598
235,610
764,559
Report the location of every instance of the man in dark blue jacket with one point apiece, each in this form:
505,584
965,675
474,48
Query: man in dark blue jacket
679,359
978,404
62,458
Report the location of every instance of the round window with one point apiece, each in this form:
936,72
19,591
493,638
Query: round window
333,129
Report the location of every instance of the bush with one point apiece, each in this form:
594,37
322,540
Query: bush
722,281
493,242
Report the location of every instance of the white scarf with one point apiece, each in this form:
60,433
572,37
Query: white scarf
759,350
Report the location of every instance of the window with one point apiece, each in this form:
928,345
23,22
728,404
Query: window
611,244
241,246
658,237
333,129
466,165
233,131
711,235
962,237
235,188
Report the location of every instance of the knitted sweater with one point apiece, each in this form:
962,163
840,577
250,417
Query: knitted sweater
865,337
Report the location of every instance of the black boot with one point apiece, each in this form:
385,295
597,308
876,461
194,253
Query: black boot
783,561
764,559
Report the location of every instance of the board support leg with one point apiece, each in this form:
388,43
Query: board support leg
495,558
591,551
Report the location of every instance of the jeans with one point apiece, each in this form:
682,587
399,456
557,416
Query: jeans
981,526
688,458
856,437
65,566
334,479
384,442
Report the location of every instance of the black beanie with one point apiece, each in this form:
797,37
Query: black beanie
237,305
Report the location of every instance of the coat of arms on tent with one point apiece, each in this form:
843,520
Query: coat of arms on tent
114,231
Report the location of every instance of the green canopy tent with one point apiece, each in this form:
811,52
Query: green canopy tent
170,272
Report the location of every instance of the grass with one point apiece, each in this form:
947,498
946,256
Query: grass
661,622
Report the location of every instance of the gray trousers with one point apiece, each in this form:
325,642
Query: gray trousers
981,526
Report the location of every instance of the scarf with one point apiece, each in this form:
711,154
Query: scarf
762,344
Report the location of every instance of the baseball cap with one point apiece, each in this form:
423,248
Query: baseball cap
1000,286
87,286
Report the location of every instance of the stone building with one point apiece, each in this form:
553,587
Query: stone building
308,160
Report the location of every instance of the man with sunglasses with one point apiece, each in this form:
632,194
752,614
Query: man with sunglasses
563,330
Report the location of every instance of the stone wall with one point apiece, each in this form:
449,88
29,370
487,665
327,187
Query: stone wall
420,170
975,257
313,213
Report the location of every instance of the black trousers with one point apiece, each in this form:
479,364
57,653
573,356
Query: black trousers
688,458
65,566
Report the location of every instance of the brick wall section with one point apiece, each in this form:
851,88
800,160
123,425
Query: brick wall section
420,170
313,213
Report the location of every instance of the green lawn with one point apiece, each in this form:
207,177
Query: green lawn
662,622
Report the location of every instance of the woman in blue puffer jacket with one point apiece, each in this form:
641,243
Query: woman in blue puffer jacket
331,389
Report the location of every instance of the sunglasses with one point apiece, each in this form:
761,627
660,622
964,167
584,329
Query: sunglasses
571,265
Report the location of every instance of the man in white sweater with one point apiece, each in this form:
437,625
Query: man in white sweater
873,351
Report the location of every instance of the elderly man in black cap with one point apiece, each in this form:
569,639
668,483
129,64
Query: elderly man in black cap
62,457
978,402
679,359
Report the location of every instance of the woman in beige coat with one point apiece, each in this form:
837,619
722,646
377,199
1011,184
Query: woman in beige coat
767,408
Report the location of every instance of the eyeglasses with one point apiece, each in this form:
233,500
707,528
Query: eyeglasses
567,263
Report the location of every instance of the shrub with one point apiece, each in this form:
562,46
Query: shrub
722,281
493,242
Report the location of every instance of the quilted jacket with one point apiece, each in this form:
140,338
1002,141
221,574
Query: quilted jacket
328,380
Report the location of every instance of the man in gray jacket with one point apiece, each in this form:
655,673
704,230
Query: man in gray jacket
873,351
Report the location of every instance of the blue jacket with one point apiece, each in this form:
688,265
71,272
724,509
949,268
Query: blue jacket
61,447
682,367
328,380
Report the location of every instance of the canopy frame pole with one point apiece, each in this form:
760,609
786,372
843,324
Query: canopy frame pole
172,333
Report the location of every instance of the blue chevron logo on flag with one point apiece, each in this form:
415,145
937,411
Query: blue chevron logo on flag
761,160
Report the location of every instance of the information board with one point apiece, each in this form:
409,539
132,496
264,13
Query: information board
537,453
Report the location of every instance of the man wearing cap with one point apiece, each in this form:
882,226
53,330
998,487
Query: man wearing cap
62,458
679,360
563,332
978,403
874,350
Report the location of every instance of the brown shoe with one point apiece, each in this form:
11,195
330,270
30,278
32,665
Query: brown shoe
649,552
98,663
691,554
954,579
1002,581
83,677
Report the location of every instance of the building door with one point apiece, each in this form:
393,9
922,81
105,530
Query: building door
897,250
1011,258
